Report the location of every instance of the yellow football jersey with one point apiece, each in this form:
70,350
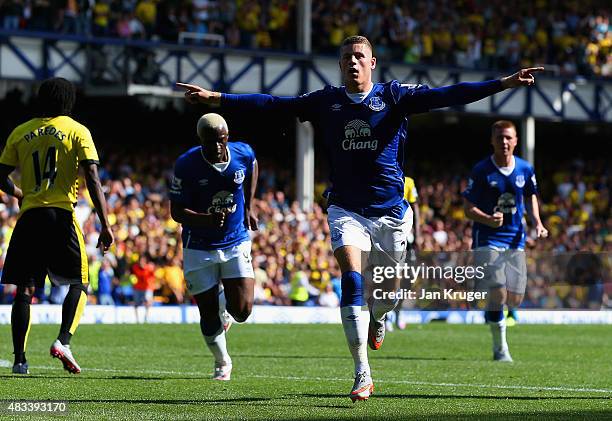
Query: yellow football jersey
48,152
410,191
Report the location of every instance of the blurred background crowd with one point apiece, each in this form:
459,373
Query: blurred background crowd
291,252
569,37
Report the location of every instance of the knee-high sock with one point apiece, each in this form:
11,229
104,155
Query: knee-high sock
497,324
214,336
355,320
355,323
72,310
20,325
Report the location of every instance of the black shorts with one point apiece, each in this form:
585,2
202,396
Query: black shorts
46,241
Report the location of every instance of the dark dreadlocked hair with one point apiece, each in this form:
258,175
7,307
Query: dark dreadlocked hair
56,96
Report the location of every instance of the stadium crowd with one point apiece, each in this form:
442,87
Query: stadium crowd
570,37
291,252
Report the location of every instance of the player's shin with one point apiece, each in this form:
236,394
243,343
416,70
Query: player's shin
214,336
497,324
355,320
20,325
72,310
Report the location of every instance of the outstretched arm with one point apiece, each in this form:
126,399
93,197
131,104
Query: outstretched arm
195,94
464,93
524,77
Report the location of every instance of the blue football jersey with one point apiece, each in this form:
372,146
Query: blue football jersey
365,140
491,191
199,186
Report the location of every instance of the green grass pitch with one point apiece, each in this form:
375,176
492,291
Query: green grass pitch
434,371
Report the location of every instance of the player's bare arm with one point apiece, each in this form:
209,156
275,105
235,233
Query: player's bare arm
195,94
524,77
533,209
475,214
192,218
94,187
6,184
249,194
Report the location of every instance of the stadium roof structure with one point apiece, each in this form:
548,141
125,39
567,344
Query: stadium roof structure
107,66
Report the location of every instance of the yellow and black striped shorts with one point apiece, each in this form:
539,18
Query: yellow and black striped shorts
46,241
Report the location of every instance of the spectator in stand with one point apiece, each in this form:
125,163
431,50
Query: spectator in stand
105,283
471,35
144,271
328,298
101,16
146,13
173,282
12,13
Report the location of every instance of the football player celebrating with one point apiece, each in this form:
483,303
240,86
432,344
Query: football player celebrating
500,188
363,125
211,195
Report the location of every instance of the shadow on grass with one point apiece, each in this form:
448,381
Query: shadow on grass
297,401
437,396
220,401
344,357
109,377
542,416
241,400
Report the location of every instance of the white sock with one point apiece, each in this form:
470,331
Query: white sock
498,332
382,307
355,323
217,345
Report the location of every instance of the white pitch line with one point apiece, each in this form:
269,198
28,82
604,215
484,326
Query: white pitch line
481,386
338,379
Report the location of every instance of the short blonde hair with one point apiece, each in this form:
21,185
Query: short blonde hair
210,121
357,39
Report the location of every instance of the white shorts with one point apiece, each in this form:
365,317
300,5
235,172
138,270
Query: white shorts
205,268
502,268
383,235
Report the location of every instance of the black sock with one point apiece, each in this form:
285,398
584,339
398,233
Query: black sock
20,323
73,303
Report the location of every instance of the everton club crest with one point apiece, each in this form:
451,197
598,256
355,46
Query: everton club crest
239,176
376,104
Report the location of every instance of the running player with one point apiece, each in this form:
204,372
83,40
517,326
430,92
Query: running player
211,195
363,125
500,188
